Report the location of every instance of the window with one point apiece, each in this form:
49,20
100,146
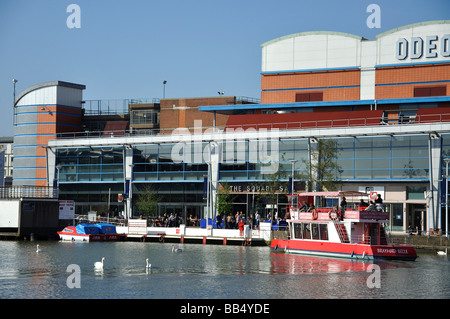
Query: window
309,97
298,231
315,231
323,231
306,231
318,231
415,192
430,91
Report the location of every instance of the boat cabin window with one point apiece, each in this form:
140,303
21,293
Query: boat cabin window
307,231
298,230
316,231
323,230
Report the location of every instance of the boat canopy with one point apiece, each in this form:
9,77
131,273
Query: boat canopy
106,228
333,194
87,229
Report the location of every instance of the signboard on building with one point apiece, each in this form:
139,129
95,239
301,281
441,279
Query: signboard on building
372,191
66,209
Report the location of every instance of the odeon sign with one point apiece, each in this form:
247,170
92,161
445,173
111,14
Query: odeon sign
417,47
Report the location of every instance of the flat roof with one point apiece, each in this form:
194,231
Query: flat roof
239,108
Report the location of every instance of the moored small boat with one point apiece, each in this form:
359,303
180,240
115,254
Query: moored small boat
357,233
90,232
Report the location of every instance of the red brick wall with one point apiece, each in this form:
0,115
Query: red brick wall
186,112
409,74
333,84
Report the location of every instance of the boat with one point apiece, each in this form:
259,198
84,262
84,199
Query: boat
357,233
90,232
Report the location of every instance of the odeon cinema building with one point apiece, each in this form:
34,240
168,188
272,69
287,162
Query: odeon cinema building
383,102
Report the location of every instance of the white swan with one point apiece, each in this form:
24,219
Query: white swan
442,253
38,250
99,264
176,250
149,266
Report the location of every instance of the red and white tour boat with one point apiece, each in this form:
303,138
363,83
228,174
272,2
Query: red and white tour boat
90,232
358,234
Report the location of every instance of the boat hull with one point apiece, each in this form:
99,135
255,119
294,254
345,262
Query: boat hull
344,250
88,238
71,233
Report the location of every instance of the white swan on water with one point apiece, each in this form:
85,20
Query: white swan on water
99,264
149,266
176,250
442,253
38,250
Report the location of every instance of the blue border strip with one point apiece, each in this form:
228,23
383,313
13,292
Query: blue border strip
397,65
237,107
356,68
412,83
313,88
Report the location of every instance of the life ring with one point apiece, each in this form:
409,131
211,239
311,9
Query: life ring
314,214
331,213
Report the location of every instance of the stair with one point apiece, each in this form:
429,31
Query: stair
342,232
383,236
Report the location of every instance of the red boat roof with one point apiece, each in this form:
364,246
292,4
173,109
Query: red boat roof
333,194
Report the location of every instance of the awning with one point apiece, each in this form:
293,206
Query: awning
334,194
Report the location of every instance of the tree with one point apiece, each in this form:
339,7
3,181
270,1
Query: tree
271,188
322,170
224,203
147,202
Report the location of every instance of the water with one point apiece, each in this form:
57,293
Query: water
207,271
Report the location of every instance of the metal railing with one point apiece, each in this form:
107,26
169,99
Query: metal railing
361,239
113,106
10,192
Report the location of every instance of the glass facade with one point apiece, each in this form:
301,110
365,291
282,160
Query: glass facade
90,164
377,158
384,158
89,175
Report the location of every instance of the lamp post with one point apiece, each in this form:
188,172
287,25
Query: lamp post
164,89
58,168
14,81
130,193
446,160
208,192
292,185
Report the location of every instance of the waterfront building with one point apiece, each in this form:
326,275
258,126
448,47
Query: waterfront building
384,102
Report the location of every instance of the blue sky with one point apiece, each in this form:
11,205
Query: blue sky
125,49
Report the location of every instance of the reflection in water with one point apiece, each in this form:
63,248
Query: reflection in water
206,271
301,264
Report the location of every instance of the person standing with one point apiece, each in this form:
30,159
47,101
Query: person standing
258,218
379,203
